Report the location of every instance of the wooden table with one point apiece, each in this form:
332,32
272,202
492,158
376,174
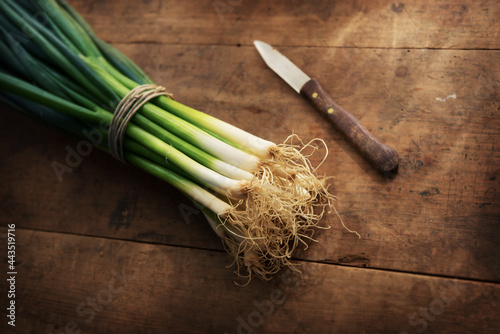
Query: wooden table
111,249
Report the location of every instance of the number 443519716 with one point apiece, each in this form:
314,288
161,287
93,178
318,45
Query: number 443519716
11,247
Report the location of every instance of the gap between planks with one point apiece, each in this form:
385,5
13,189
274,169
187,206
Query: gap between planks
151,42
411,273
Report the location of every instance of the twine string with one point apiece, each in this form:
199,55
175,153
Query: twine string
124,112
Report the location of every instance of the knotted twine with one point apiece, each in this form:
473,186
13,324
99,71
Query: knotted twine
124,112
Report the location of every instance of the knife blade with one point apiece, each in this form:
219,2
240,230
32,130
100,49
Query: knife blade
382,157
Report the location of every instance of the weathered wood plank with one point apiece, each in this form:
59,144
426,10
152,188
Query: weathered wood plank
437,108
453,24
67,283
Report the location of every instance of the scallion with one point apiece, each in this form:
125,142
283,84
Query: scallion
261,198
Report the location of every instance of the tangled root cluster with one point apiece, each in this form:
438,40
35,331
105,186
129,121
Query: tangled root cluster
285,203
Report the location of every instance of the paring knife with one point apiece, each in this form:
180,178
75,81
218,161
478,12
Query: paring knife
380,156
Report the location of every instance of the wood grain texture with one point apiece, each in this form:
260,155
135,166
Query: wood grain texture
110,286
376,24
438,216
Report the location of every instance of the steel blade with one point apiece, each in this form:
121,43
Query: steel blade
282,66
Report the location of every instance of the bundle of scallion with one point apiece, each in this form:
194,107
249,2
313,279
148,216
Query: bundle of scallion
262,199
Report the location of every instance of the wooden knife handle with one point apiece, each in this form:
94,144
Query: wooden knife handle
380,156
